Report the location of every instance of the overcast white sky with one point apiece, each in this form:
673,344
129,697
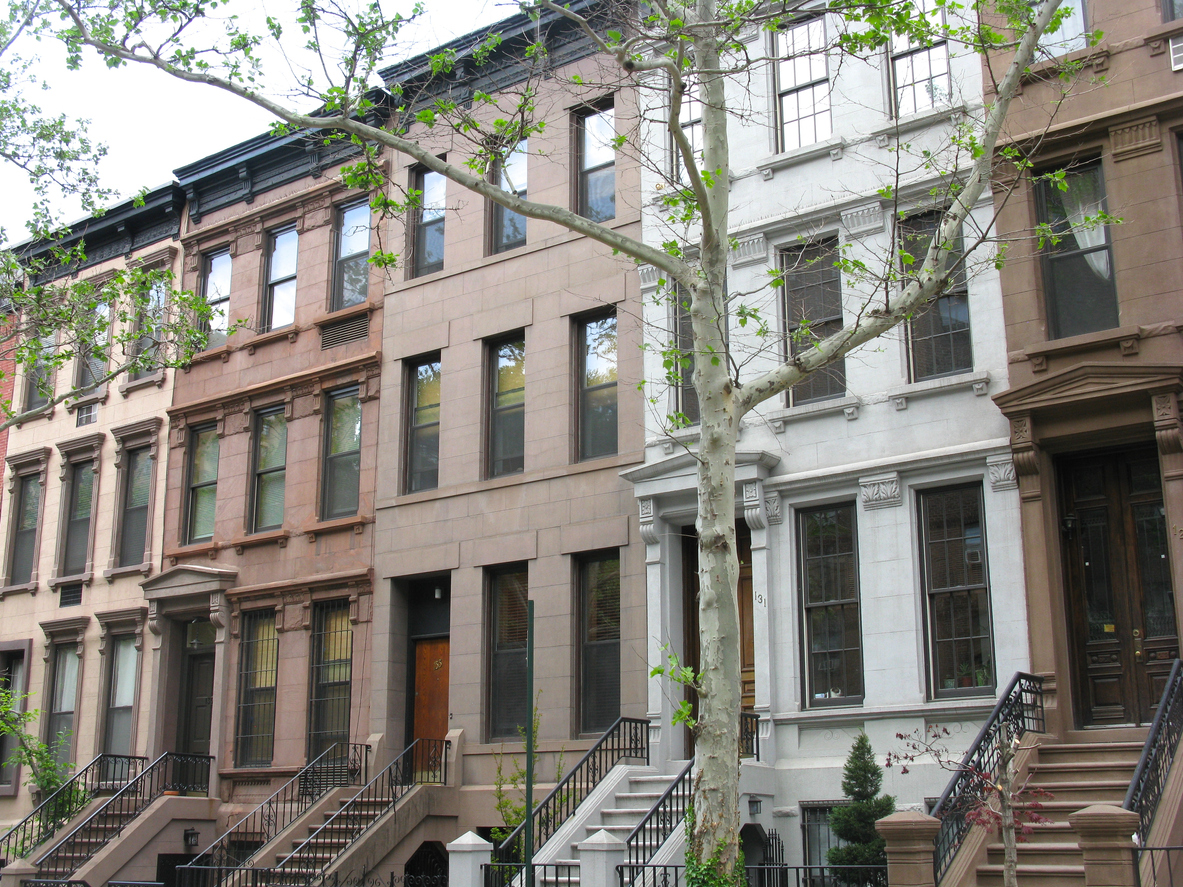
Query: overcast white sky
152,123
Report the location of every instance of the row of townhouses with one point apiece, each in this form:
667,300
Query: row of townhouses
311,549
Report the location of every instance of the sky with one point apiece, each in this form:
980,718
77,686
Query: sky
152,123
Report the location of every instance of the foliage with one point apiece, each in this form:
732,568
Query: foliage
509,793
710,872
45,772
679,674
854,824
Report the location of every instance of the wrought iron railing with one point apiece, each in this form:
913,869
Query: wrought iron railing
49,882
668,814
630,875
338,765
1150,776
1020,710
749,735
504,874
171,772
105,771
627,738
1163,866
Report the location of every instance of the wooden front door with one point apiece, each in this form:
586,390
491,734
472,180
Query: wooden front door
1117,571
430,719
198,704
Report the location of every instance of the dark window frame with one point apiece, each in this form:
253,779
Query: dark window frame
191,486
23,469
138,437
11,651
595,650
254,724
418,431
498,418
53,715
342,260
501,658
420,229
259,474
499,215
322,679
34,398
273,283
584,175
215,329
828,383
75,455
329,459
902,50
109,649
585,393
914,235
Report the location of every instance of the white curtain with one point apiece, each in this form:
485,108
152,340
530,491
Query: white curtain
1082,201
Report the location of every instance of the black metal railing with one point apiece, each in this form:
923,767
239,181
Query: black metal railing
503,874
135,884
245,876
105,771
1165,867
171,772
1020,710
749,735
627,738
629,875
49,882
663,818
1154,766
341,764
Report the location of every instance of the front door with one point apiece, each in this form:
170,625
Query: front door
430,719
197,705
1120,601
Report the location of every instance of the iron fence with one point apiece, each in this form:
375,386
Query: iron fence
1154,766
513,874
1163,866
749,735
668,814
648,875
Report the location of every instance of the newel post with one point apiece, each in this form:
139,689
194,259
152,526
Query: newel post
1106,843
909,837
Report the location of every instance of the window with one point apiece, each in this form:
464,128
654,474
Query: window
342,468
27,518
599,640
818,838
509,228
351,276
92,358
597,165
690,119
920,72
203,484
597,387
813,306
63,698
508,706
13,684
957,592
428,246
124,660
830,596
280,310
271,449
215,287
149,322
79,495
1077,257
1072,35
86,415
686,395
803,84
258,663
137,492
39,376
423,445
938,334
332,676
507,419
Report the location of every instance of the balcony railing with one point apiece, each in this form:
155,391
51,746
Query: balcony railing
749,735
1154,766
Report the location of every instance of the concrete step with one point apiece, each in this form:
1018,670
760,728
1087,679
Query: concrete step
638,800
1107,791
1105,752
1068,771
1058,811
1058,853
1034,875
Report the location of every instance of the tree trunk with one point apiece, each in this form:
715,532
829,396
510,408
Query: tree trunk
1006,757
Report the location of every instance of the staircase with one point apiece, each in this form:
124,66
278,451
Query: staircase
1076,776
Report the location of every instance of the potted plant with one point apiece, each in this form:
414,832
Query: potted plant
965,676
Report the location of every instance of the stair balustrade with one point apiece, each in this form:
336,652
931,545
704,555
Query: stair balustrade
749,735
1019,710
668,814
1154,766
171,772
779,875
104,772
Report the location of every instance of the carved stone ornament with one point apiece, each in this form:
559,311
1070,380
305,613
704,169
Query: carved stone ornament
749,250
1167,430
772,509
648,523
1002,473
1024,451
753,505
881,491
864,220
219,614
1134,139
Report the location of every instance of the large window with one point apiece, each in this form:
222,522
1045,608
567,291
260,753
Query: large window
507,407
596,150
332,675
509,228
803,84
280,310
1077,257
123,670
686,397
271,455
203,484
91,366
599,640
63,700
12,682
258,663
508,705
1072,33
813,307
423,426
817,838
956,584
342,455
938,334
38,376
427,248
920,71
215,288
137,492
351,274
690,119
149,322
26,520
79,498
830,596
597,387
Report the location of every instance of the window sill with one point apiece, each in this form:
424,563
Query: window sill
1094,57
199,548
48,414
290,332
780,419
265,537
26,588
345,314
356,523
773,165
76,579
144,569
979,382
1125,336
257,772
99,395
222,353
916,122
965,707
156,378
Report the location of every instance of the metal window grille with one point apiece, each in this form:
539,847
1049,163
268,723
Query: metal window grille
70,596
803,84
817,839
938,334
353,329
830,591
813,308
332,676
258,662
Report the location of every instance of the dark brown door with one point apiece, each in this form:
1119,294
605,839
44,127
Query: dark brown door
1120,601
198,704
431,689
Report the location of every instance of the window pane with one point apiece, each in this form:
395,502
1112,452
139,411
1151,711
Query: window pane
217,278
355,230
25,537
283,255
509,707
829,578
423,451
803,84
205,457
599,133
283,304
600,194
133,530
813,305
343,485
273,441
600,641
204,502
597,414
123,671
511,373
78,521
508,414
270,500
345,433
355,280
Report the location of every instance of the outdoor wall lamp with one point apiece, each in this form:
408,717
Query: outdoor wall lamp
192,837
1068,524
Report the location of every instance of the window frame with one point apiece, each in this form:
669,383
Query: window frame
133,438
320,609
74,455
496,423
341,260
87,369
115,624
414,428
273,283
800,88
583,391
258,475
216,333
958,288
33,398
194,433
685,396
9,651
594,649
251,700
420,227
499,215
834,374
494,686
148,333
690,119
327,457
902,50
22,467
60,635
584,173
110,665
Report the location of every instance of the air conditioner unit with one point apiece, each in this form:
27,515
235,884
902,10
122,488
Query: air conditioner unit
1177,53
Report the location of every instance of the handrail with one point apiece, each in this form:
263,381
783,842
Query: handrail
626,738
668,814
1150,776
749,735
774,875
338,765
424,761
66,803
1020,707
169,772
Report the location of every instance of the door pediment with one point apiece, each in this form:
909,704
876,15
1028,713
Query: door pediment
1090,382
